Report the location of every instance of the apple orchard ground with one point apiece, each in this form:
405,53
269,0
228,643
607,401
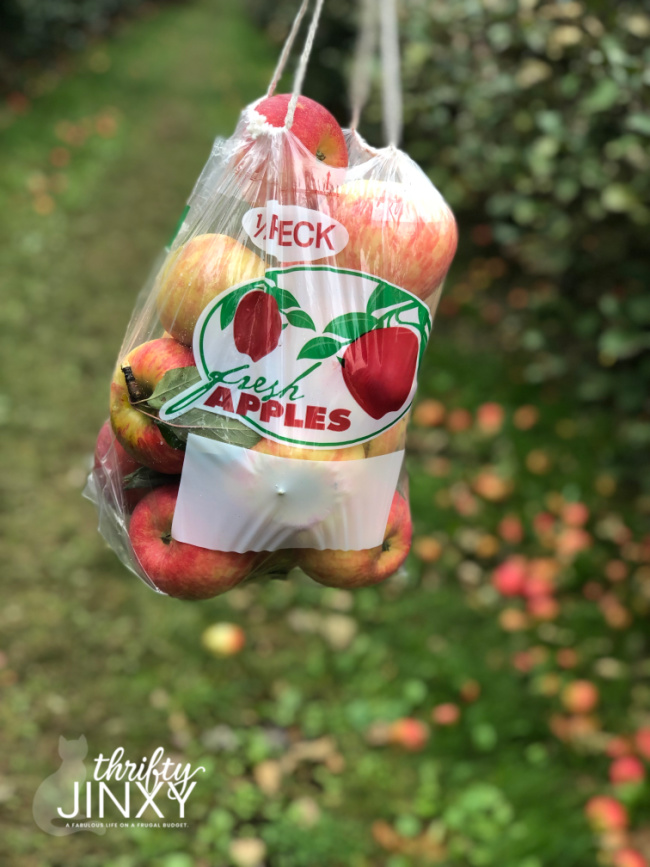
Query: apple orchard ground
292,729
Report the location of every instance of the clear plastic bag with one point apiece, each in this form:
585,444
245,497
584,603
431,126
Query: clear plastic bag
259,404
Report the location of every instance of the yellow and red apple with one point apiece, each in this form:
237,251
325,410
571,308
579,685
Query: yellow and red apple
391,440
300,453
351,569
313,124
195,274
272,167
177,568
404,235
136,430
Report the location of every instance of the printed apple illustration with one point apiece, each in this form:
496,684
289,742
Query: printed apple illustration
379,368
313,124
113,463
351,569
404,235
195,274
136,431
257,325
178,569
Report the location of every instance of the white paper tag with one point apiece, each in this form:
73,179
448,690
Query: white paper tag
236,499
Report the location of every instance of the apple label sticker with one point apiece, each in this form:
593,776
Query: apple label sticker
293,233
237,499
309,355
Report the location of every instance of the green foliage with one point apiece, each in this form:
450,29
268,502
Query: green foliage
37,26
531,117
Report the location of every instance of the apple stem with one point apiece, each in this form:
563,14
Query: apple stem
135,392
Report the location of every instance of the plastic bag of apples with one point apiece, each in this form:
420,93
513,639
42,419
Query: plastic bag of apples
259,404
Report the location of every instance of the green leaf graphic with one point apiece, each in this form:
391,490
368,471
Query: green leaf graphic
384,296
229,305
173,382
285,299
320,347
424,317
351,325
300,319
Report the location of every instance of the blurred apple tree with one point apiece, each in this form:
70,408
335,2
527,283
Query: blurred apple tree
531,117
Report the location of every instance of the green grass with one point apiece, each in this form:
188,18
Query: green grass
88,649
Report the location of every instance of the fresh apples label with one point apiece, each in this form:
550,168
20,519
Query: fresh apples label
292,233
310,355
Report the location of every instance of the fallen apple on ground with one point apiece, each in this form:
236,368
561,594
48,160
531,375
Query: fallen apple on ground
300,453
350,569
178,569
270,167
195,274
397,233
135,430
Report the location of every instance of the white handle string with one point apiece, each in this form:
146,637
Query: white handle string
302,65
288,45
361,76
362,63
392,85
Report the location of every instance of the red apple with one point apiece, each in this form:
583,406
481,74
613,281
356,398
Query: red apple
627,857
580,696
316,128
606,814
410,733
178,569
195,274
351,569
113,463
626,769
489,418
136,431
401,234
